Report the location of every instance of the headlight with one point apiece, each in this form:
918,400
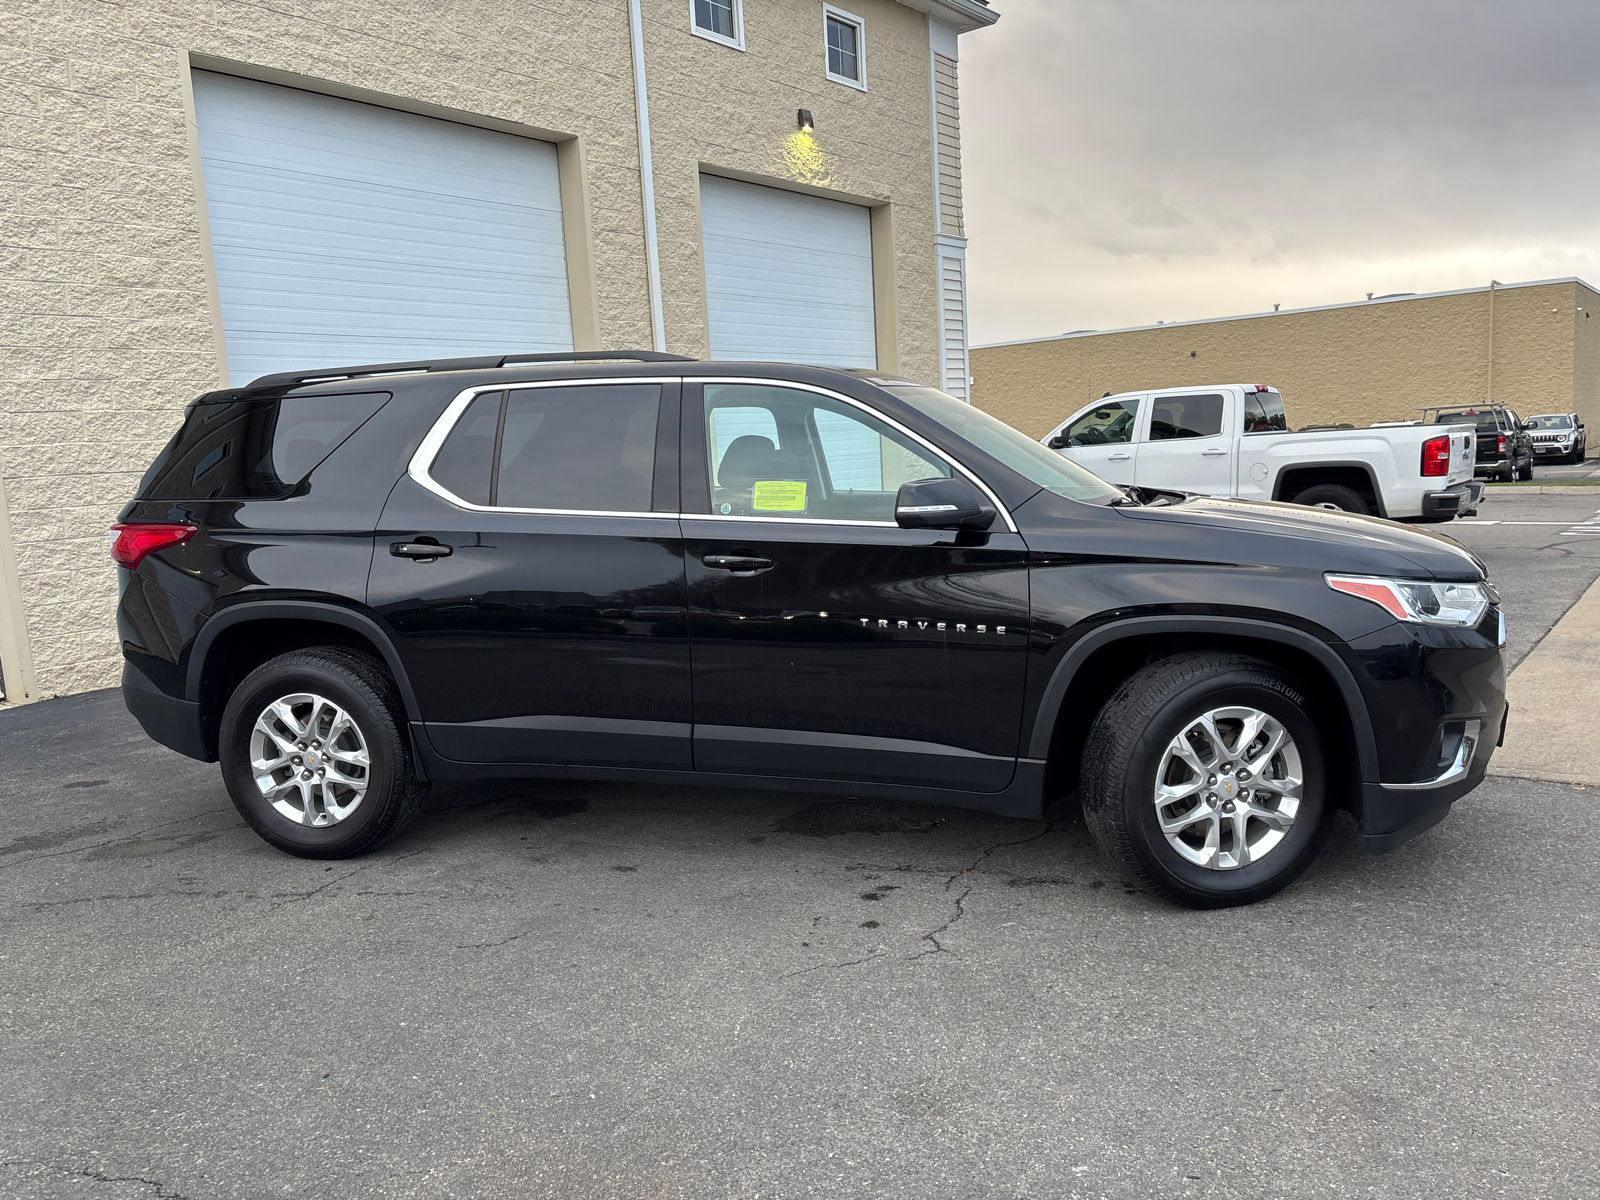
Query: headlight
1458,604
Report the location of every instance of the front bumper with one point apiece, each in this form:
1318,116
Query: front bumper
1391,814
1436,699
1552,448
1461,500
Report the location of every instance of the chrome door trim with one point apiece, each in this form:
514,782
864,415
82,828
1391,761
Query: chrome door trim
434,440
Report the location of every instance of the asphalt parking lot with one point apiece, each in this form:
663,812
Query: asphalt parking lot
591,990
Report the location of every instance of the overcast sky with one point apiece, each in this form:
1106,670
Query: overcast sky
1129,161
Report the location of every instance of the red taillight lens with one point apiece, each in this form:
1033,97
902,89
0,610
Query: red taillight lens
1500,447
1436,455
131,543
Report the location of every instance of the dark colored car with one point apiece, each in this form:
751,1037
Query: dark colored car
345,584
1505,450
1560,437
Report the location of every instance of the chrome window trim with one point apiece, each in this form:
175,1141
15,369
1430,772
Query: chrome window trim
434,441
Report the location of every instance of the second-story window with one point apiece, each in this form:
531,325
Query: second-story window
844,43
718,20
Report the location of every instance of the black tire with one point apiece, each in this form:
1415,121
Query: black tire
361,687
1125,749
1334,495
1525,472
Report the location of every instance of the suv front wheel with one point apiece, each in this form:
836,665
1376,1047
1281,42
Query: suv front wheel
315,756
1203,775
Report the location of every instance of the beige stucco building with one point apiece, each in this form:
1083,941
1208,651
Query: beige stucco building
1534,346
142,266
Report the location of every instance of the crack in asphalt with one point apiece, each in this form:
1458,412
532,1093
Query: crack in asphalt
117,841
932,935
99,1177
492,945
296,897
854,962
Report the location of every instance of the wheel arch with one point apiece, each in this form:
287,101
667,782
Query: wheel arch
1098,663
1354,474
238,639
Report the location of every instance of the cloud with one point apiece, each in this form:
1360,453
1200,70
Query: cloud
1144,160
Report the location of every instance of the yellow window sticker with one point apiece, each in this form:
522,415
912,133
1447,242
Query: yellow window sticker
778,495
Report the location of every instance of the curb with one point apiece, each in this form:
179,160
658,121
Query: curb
1543,489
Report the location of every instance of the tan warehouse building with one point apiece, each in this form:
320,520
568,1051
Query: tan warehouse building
1534,346
203,191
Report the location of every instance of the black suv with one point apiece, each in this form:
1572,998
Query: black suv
346,583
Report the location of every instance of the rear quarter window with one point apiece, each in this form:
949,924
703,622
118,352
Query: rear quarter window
254,449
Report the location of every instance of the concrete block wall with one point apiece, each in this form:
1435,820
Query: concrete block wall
1359,363
107,312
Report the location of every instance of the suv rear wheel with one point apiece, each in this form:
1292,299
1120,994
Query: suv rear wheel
315,756
1203,775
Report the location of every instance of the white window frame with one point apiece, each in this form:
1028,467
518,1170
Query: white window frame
736,42
848,18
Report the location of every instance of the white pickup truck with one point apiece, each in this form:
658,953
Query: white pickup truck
1233,440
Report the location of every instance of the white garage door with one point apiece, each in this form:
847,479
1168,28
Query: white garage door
788,277
347,233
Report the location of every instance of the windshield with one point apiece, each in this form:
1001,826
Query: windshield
1482,419
1016,450
1550,421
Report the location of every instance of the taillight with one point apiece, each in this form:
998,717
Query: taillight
1500,444
130,544
1436,455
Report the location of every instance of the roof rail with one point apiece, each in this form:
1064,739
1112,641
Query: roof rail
290,378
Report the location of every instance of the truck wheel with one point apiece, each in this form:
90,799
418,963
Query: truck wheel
1525,472
1203,775
1334,496
315,756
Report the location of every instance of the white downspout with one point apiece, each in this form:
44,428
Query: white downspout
647,185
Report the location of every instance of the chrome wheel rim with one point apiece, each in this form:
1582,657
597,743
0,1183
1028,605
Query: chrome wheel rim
1228,788
309,759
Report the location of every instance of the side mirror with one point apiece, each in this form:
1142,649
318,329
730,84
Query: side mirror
941,504
1058,441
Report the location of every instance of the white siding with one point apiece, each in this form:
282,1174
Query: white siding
347,233
947,125
953,325
788,277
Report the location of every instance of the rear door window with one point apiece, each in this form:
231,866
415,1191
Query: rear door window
582,448
1185,417
254,449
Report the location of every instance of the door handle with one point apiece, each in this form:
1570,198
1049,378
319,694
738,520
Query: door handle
738,564
1213,451
1118,457
421,551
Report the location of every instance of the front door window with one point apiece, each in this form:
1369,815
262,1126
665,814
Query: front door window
1101,439
778,452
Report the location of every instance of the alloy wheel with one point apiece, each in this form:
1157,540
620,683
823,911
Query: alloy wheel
310,760
1228,788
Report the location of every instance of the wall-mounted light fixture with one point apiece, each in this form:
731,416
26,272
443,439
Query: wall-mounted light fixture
804,121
